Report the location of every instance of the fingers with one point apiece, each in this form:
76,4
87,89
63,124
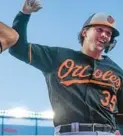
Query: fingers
33,3
31,6
36,6
36,9
30,2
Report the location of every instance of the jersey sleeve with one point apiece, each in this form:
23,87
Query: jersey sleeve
20,49
43,57
39,56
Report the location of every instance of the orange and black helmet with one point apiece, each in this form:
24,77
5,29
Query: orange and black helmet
102,19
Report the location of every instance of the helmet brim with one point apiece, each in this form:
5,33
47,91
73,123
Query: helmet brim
115,31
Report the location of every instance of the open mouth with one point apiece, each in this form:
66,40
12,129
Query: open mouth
101,43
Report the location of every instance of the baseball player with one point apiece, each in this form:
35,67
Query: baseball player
85,87
8,36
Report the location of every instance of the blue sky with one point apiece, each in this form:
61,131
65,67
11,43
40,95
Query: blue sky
57,24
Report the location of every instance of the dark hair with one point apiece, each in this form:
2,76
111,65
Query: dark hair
80,37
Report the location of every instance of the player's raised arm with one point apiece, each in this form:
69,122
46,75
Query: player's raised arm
8,36
22,18
21,49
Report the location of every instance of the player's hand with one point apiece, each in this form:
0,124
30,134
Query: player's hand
31,6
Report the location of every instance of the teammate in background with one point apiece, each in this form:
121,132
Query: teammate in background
85,87
8,36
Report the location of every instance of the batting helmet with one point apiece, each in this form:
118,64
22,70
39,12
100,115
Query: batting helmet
102,19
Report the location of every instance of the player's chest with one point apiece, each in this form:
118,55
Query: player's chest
71,72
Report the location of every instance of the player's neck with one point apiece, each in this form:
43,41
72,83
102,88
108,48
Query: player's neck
96,54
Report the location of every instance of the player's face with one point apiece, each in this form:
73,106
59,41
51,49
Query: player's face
96,37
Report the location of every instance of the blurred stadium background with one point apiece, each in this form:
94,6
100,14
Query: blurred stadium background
20,121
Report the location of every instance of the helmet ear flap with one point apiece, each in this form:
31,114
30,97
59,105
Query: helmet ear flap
110,46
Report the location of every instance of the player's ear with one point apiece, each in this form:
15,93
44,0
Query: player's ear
84,32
